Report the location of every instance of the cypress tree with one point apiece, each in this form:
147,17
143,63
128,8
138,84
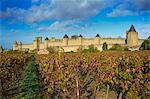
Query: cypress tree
145,45
105,46
1,49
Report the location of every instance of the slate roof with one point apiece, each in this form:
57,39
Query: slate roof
46,38
97,35
66,36
80,36
132,29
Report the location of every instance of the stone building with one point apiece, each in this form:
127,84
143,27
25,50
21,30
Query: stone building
131,41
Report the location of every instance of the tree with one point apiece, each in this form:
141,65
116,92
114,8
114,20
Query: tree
145,45
1,49
105,46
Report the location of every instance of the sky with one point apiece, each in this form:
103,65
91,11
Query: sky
23,20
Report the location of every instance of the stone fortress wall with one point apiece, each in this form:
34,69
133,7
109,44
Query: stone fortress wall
75,42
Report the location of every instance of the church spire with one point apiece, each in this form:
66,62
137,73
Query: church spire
132,29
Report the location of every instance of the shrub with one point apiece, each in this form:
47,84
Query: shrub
91,48
117,47
52,49
126,49
11,67
130,78
89,74
12,51
29,84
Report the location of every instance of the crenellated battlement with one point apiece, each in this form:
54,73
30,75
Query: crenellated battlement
74,42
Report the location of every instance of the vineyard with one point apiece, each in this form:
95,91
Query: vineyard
11,67
101,75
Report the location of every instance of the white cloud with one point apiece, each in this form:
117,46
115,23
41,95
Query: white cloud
130,8
75,9
57,10
60,25
13,12
63,26
119,12
35,1
141,4
14,31
144,31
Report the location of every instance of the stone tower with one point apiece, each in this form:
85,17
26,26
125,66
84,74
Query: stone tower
97,39
15,45
80,39
132,37
65,40
20,45
37,42
46,43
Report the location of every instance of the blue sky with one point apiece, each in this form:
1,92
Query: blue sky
23,20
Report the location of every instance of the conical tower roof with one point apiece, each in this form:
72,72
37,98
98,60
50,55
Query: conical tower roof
66,36
97,35
132,29
80,36
46,38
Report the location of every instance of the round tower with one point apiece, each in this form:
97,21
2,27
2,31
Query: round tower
20,45
15,45
65,40
97,39
37,42
80,39
132,37
46,43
